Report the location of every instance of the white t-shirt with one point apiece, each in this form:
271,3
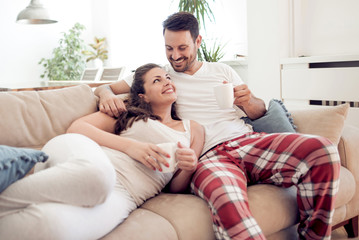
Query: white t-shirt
140,181
196,101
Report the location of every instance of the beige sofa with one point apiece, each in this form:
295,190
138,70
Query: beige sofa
30,119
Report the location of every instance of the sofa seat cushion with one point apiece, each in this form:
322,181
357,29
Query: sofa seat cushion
143,224
285,234
185,212
266,201
31,118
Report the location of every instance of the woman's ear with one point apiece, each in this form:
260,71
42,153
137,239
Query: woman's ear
143,97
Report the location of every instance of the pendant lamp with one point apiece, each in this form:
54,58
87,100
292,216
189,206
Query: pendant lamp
35,13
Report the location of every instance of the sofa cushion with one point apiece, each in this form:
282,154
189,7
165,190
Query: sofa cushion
266,201
143,224
31,118
184,211
276,119
15,163
323,121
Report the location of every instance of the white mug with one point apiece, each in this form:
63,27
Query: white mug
224,95
169,148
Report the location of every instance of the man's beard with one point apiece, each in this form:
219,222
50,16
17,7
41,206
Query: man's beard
186,66
179,69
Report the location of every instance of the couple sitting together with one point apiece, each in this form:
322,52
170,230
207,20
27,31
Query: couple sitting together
114,164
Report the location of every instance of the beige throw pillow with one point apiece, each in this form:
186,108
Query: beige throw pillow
324,121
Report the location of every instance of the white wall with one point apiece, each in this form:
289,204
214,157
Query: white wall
22,46
134,32
264,48
320,27
326,27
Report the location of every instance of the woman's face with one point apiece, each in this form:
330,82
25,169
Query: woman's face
159,89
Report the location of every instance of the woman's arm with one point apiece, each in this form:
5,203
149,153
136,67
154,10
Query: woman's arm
100,128
187,159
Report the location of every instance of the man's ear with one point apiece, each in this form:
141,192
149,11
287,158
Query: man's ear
198,41
144,97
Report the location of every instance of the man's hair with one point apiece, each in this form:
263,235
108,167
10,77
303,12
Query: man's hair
137,107
182,21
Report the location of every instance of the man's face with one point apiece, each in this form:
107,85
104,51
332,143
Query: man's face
181,50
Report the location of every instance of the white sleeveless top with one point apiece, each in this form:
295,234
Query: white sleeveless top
140,181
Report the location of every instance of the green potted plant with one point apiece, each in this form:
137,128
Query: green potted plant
202,11
199,8
67,62
213,54
98,52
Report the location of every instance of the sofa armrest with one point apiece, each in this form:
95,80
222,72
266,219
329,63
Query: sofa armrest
349,149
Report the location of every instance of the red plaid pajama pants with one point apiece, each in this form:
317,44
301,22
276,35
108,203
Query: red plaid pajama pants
285,159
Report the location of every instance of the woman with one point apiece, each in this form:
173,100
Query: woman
69,209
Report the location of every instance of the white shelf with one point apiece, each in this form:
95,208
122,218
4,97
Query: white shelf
236,62
317,59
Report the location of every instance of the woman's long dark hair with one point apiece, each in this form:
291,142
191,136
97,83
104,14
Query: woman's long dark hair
137,107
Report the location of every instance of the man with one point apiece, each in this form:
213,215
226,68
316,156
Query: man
233,155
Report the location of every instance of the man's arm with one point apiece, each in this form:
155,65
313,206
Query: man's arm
110,102
254,107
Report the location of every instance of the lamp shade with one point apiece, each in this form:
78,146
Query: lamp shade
35,13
